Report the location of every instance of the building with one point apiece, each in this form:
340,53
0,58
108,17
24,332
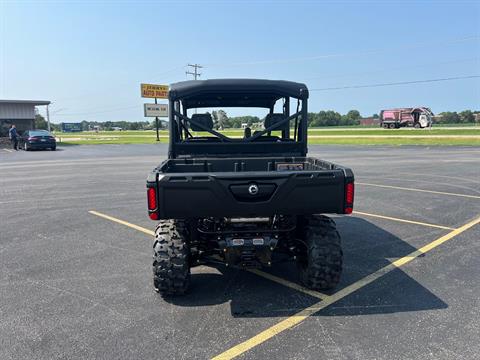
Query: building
18,112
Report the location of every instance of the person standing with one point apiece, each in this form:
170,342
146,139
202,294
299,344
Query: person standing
13,135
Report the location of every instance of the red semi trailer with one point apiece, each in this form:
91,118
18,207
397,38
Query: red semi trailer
419,117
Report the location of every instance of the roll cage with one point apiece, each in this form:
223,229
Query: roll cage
237,93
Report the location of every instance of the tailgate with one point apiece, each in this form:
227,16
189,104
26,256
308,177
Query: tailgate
249,194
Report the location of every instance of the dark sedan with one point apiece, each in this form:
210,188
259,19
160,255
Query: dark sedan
38,139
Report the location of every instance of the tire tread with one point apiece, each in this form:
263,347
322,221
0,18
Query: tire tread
323,267
171,268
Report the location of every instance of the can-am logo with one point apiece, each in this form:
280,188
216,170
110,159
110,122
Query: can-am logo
253,189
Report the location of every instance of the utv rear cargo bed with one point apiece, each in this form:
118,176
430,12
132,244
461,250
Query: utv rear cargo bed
215,187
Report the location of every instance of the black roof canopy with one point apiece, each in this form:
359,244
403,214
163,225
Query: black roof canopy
235,92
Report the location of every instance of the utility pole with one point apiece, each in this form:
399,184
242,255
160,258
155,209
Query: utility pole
48,119
195,73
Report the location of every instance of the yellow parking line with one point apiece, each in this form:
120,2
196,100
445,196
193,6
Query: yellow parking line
403,220
327,300
256,272
289,284
302,315
419,190
133,226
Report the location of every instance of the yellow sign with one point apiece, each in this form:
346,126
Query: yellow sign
154,91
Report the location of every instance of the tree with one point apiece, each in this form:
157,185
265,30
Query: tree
351,118
329,118
215,119
40,122
449,117
222,119
153,125
85,125
324,118
467,116
237,121
134,126
312,119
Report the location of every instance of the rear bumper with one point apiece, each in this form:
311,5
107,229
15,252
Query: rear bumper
41,145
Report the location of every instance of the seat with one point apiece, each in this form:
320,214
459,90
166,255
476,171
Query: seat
206,121
265,137
202,119
272,119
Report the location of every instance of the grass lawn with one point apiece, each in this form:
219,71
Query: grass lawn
398,141
354,136
396,132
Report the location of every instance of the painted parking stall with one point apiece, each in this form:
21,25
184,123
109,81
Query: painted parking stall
409,269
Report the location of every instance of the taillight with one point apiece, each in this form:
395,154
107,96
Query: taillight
152,198
152,203
349,196
349,189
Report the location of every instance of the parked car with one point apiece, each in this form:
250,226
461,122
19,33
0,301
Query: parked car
37,139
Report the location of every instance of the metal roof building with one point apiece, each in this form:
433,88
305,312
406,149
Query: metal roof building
18,112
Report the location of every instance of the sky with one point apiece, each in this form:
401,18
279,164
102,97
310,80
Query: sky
89,57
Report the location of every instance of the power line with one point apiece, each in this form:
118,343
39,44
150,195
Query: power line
311,90
107,110
397,83
337,55
101,112
130,82
393,69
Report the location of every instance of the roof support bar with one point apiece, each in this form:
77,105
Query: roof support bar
273,127
211,131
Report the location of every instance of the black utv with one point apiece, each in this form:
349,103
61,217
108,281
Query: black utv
246,201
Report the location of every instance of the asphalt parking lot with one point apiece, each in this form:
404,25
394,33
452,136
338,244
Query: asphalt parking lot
76,282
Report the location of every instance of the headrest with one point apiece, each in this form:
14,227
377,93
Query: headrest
272,119
202,119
